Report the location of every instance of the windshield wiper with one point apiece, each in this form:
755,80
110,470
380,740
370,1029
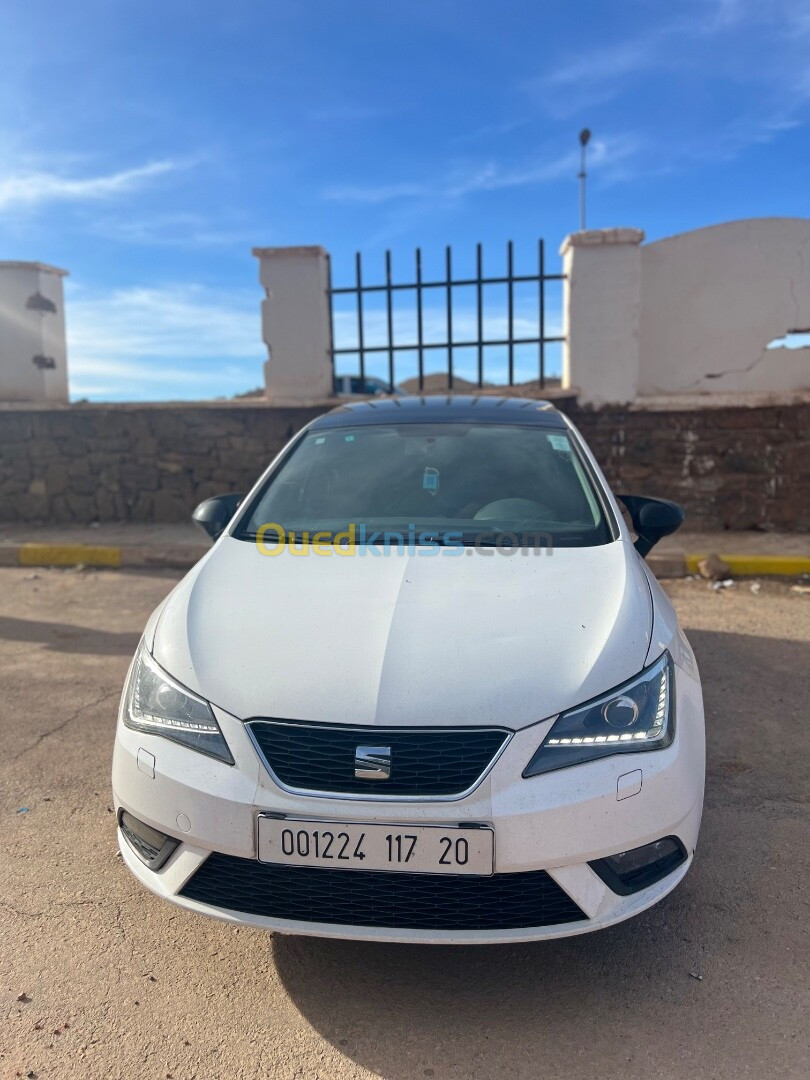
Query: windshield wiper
452,539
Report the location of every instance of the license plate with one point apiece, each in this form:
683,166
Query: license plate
414,849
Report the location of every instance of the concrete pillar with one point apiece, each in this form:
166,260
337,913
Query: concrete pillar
601,314
296,323
33,351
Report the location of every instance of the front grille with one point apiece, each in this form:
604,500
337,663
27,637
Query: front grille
366,898
426,761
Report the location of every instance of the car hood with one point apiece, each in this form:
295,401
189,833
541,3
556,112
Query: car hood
449,638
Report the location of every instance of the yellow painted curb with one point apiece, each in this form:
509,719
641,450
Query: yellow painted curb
68,555
756,565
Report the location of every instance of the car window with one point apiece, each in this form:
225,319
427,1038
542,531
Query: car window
454,478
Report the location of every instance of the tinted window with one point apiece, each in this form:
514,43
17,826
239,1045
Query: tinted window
464,479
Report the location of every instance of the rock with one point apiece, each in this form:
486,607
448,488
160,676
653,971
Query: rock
714,568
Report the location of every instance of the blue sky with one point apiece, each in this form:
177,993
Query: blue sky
147,147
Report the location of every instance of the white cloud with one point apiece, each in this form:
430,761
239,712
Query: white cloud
191,342
184,341
757,44
176,320
171,230
434,325
777,67
374,193
663,44
488,176
37,187
605,64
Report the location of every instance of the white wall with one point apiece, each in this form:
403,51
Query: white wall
31,334
712,299
601,313
296,323
692,315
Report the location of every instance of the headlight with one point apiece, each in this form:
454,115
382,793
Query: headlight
157,704
636,716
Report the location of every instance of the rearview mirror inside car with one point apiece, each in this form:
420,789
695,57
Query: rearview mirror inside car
213,515
652,519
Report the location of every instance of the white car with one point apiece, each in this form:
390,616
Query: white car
422,688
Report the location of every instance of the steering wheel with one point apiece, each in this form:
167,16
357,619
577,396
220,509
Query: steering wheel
525,510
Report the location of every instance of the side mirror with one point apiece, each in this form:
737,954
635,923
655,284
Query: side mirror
653,519
213,514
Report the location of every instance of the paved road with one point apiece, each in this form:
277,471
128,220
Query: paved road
711,983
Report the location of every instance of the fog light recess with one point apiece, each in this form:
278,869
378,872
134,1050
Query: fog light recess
152,847
630,871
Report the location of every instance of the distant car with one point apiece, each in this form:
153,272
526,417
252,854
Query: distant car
423,688
353,385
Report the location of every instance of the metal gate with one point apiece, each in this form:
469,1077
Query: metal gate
418,342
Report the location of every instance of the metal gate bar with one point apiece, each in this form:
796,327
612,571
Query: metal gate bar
389,298
451,344
449,266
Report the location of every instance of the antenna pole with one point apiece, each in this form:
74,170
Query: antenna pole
584,139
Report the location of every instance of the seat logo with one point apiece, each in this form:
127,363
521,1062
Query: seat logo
372,762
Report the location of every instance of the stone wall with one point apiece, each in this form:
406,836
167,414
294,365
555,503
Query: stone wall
128,462
734,467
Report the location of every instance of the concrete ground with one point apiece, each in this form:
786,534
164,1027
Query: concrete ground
101,979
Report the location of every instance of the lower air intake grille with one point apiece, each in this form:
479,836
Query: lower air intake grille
424,761
364,898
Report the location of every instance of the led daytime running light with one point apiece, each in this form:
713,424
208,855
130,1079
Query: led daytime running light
653,733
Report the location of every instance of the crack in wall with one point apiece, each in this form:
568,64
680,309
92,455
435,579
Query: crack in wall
764,353
720,374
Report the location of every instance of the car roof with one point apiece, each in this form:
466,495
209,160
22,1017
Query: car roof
443,409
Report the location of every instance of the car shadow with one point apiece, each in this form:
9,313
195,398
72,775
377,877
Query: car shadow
623,1001
408,1011
67,637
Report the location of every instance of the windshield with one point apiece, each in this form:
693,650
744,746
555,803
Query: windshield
473,482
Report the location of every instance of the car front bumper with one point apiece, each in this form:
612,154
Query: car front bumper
558,822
